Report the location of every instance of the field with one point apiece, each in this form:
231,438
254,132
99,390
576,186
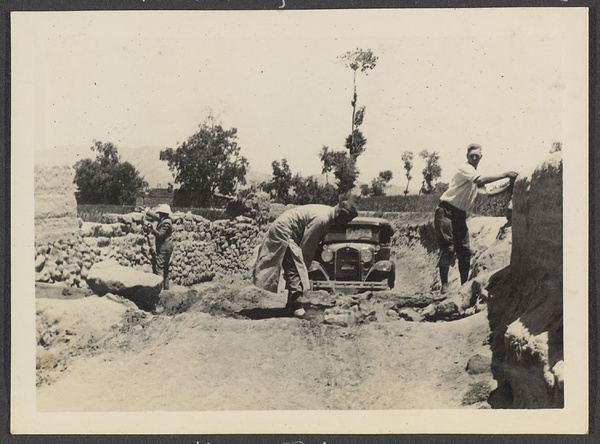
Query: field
492,206
484,206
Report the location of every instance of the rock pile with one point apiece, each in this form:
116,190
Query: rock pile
202,248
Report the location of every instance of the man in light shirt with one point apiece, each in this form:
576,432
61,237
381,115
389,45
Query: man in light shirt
290,245
451,215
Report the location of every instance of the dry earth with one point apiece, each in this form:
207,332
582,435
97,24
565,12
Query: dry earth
228,357
232,347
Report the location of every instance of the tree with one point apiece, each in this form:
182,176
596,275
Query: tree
363,60
407,158
441,187
281,182
344,163
556,146
107,180
380,183
309,191
345,173
355,144
343,167
365,190
208,161
431,172
326,159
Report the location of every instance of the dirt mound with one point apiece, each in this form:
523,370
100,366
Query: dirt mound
55,204
526,303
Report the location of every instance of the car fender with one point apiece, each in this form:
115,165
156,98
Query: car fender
382,267
317,267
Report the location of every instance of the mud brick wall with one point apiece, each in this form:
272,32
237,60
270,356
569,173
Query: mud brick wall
526,307
538,219
54,203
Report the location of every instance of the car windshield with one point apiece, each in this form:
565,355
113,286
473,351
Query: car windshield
353,233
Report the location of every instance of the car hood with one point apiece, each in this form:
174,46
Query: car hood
356,245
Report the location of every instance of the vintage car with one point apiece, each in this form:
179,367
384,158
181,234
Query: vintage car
355,257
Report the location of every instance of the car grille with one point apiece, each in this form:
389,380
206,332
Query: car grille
347,265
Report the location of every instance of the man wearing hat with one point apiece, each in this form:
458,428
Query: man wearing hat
450,221
290,244
164,243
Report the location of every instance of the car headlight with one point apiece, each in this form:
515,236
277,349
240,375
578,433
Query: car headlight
366,255
327,255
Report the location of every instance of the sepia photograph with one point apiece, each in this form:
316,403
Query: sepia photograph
300,221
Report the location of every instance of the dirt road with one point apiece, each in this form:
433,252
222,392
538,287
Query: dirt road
227,352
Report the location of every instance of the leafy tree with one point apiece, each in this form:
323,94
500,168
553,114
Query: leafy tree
281,182
431,172
107,180
355,144
556,146
441,187
309,191
365,190
208,161
380,183
345,173
407,158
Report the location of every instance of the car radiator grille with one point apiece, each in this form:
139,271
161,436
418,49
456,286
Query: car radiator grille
347,265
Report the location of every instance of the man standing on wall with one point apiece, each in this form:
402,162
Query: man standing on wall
451,215
290,244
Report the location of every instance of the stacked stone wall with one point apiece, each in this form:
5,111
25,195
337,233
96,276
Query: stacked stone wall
202,248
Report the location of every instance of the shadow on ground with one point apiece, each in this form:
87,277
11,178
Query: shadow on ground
313,312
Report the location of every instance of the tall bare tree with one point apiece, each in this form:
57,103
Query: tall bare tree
407,158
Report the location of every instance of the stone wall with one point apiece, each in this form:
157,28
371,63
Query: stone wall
526,299
54,205
202,248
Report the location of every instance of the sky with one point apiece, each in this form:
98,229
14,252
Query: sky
503,78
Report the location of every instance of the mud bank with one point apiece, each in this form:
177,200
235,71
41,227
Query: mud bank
526,299
55,205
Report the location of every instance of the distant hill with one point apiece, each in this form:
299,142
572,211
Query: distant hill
145,159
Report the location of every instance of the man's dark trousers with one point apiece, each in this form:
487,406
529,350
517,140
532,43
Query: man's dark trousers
452,236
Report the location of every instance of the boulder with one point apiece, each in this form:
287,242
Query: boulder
479,364
447,310
88,229
139,287
410,315
110,218
346,317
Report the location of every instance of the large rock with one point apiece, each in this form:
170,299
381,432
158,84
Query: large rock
141,288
